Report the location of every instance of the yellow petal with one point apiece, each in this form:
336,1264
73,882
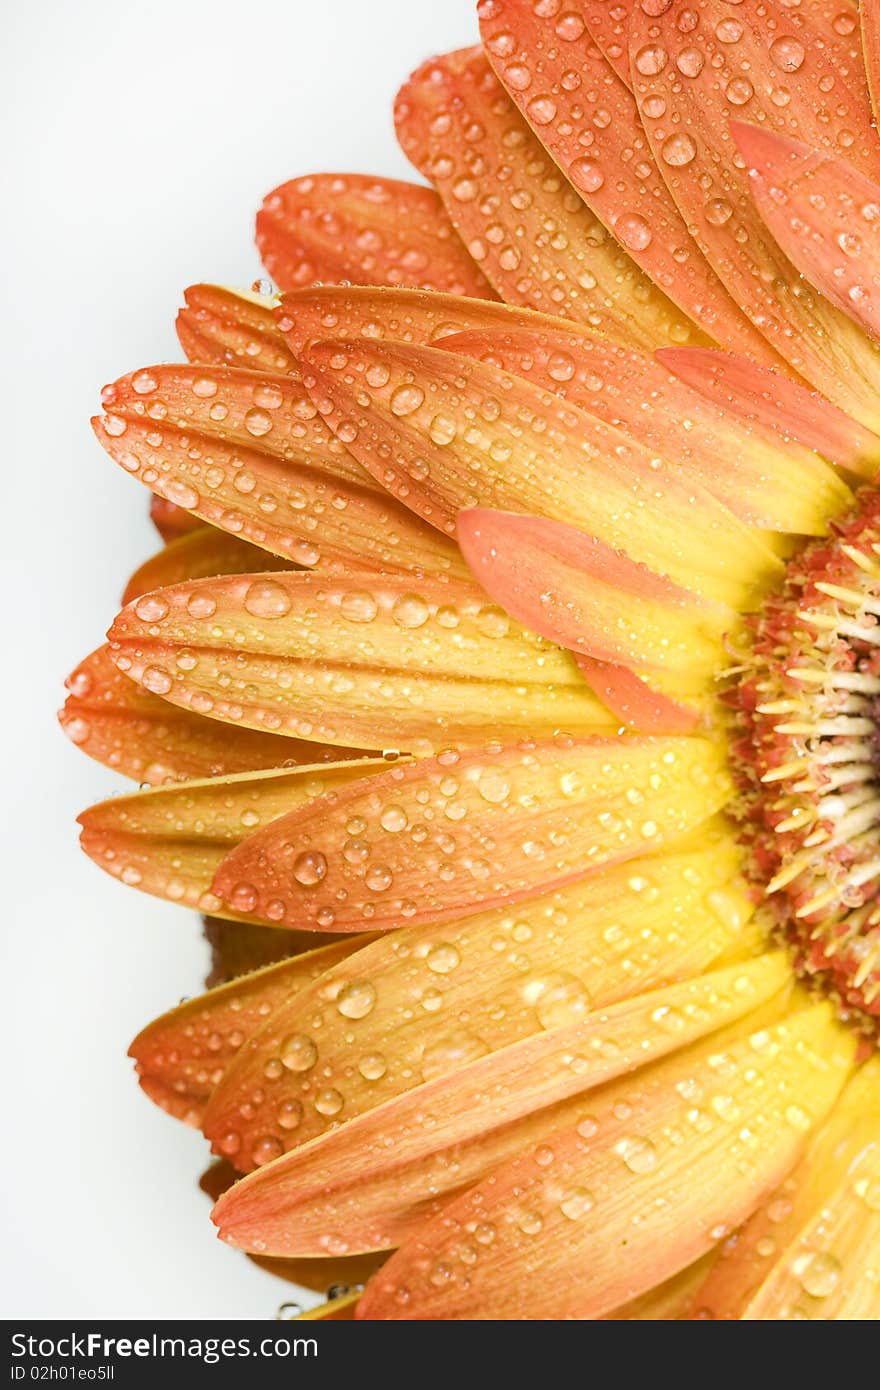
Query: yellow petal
445,836
444,432
611,1205
813,1249
382,1022
360,1187
403,663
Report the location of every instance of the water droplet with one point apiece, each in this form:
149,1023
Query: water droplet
819,1273
405,399
651,59
410,611
266,1148
266,599
561,1000
372,1066
443,958
787,53
586,174
290,1113
257,422
358,606
633,231
298,1052
329,1101
152,608
638,1154
678,149
156,679
309,867
576,1203
357,999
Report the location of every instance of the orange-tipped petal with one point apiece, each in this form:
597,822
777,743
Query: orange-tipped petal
363,229
199,555
689,82
810,1251
607,1207
234,328
182,1056
748,393
170,520
411,316
124,726
404,663
470,830
823,213
360,1184
520,218
635,703
444,432
608,26
870,35
765,484
533,51
377,1025
169,841
248,453
574,590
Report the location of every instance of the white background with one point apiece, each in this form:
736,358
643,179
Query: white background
142,140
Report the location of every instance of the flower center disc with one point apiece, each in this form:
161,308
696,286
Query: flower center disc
807,751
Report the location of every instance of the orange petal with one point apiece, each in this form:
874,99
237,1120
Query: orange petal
199,555
532,51
404,663
182,1056
470,830
810,1251
144,737
822,213
768,401
689,82
248,453
746,467
233,327
635,703
537,241
444,432
871,45
410,316
610,1205
170,520
574,590
391,1019
169,841
364,229
357,1187
608,26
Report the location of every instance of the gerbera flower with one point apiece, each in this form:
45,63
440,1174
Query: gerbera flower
519,629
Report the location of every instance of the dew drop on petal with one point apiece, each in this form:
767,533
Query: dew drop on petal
356,999
298,1052
266,599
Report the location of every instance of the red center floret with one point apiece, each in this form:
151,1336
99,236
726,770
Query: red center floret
806,747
